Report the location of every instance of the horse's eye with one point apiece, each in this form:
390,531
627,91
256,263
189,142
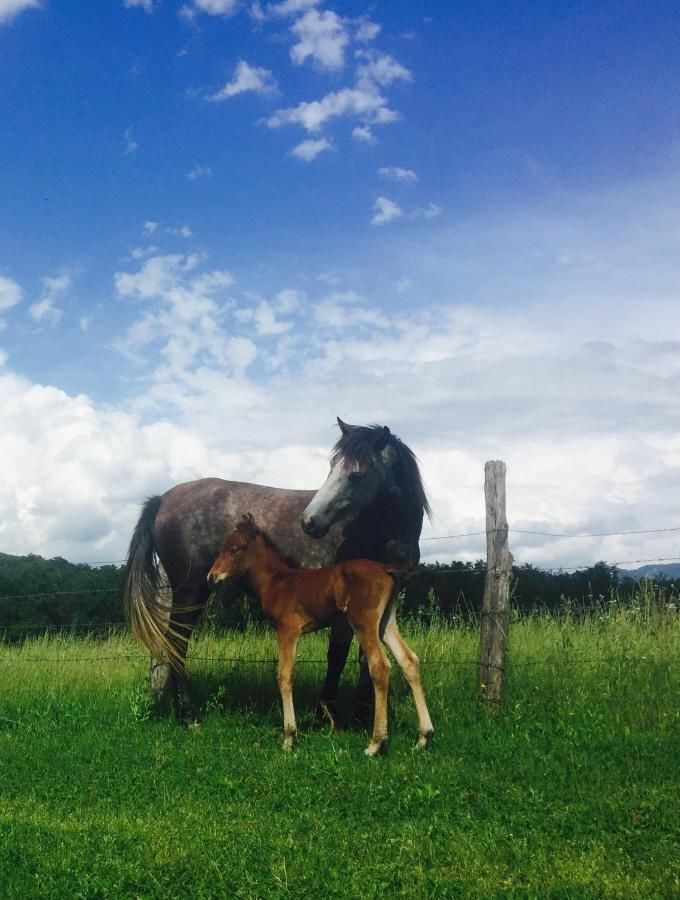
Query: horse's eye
355,476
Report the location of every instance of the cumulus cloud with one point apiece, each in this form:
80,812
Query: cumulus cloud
364,135
321,37
366,31
199,172
146,5
368,104
224,8
11,8
380,68
10,293
246,78
280,10
385,211
53,290
537,351
395,173
364,100
131,145
309,150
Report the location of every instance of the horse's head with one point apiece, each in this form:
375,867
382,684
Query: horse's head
363,464
236,556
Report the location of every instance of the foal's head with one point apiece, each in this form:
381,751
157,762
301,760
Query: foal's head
237,554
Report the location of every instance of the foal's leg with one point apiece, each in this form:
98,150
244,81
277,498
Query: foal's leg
379,668
408,663
287,639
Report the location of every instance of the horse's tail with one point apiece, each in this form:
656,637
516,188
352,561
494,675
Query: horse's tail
147,595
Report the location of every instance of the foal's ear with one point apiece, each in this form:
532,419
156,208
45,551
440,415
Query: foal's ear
247,525
381,440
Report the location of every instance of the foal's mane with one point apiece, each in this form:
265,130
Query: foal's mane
355,447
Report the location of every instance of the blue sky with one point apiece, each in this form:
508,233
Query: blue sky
225,223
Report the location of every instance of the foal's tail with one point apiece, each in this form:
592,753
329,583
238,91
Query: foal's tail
147,595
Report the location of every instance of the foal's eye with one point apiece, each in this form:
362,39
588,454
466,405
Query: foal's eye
235,550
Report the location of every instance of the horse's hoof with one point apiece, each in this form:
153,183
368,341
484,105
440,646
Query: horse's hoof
424,739
194,726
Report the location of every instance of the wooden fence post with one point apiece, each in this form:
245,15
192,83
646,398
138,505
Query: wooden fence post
495,614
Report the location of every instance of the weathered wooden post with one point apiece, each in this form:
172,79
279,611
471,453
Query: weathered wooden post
495,614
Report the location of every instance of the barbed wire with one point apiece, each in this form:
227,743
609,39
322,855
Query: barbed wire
451,572
554,534
273,661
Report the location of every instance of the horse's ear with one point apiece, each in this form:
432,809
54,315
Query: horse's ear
381,439
343,426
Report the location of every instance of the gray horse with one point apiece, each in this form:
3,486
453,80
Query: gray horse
371,506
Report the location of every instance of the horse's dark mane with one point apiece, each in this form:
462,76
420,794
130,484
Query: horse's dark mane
355,448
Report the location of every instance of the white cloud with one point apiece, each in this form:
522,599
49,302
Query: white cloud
288,300
183,231
394,173
146,5
322,37
364,100
380,68
131,145
53,290
281,10
310,149
426,212
266,322
368,104
10,293
150,227
364,135
386,211
11,8
224,8
199,172
367,31
246,78
557,368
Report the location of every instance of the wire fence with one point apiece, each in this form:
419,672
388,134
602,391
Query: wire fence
273,661
466,569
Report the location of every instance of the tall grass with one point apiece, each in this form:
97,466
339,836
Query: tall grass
571,791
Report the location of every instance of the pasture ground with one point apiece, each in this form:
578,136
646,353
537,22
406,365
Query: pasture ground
571,792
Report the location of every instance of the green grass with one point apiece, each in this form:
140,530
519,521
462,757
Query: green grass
570,792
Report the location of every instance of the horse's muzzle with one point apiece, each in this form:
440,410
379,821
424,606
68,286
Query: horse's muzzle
312,528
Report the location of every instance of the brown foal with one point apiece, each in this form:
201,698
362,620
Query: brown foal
298,601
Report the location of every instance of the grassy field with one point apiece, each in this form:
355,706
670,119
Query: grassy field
573,791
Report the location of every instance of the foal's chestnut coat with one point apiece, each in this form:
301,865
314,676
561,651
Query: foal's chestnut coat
298,601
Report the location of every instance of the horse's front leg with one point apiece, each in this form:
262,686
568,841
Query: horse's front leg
287,638
338,649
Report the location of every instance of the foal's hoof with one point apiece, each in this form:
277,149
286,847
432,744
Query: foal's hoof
288,743
376,748
424,739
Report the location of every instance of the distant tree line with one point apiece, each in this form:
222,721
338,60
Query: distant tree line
39,594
